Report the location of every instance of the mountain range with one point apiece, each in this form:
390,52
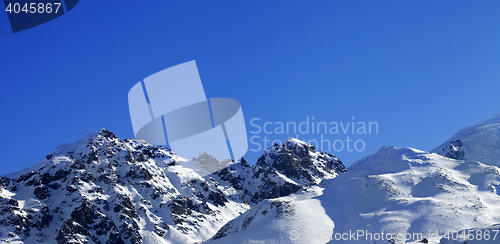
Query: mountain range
102,189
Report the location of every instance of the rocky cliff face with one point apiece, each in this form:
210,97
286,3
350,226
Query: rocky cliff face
105,190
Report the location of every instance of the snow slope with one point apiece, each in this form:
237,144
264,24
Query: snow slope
480,142
281,220
404,190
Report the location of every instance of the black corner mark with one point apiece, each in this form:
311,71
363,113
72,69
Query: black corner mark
26,14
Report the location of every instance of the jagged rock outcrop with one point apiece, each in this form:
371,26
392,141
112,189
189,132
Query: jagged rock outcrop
282,170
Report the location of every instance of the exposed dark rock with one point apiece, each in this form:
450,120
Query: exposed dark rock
454,150
115,238
41,192
84,215
141,174
70,231
218,198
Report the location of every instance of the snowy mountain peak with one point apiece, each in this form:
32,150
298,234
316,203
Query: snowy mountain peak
294,143
96,137
301,162
480,142
105,190
296,147
383,161
493,119
95,145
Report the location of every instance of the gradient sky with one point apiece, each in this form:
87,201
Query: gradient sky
420,69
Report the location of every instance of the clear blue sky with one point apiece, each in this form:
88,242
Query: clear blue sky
420,69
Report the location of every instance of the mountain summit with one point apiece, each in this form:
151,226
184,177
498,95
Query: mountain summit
480,142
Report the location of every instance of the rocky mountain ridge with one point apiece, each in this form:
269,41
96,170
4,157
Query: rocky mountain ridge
105,190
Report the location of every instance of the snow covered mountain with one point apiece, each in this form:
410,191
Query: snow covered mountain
397,195
480,142
105,190
396,190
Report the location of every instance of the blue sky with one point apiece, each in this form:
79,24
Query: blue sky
420,69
